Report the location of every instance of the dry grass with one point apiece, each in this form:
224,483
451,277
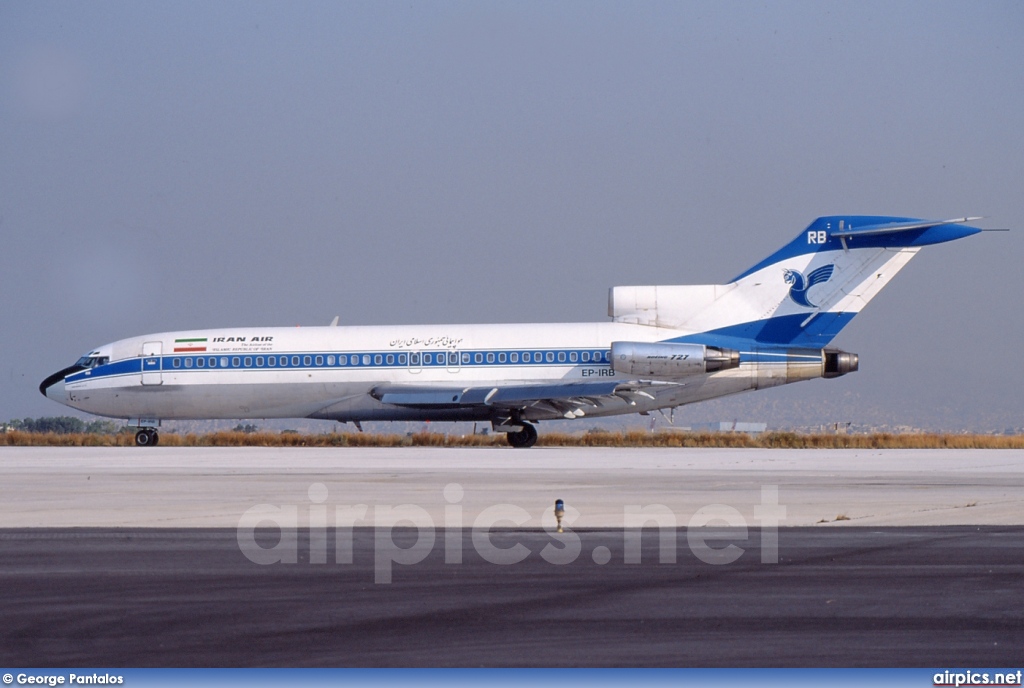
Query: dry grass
228,438
771,440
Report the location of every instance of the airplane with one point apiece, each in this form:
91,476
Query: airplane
664,346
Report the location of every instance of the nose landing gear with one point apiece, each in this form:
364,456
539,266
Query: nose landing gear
147,437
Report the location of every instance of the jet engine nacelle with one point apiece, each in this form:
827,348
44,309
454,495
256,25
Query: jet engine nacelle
645,359
839,363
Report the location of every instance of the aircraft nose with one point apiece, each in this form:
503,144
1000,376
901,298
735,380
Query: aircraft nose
55,391
49,383
53,386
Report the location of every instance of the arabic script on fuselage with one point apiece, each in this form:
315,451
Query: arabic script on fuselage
431,342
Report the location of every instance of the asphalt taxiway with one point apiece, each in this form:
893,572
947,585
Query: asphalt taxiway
932,596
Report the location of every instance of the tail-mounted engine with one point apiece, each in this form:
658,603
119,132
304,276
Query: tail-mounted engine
839,363
661,360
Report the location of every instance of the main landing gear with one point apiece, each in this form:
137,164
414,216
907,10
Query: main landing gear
523,439
147,437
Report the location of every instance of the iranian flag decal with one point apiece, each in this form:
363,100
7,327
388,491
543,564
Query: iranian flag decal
190,345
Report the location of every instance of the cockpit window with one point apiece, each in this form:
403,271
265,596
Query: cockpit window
92,361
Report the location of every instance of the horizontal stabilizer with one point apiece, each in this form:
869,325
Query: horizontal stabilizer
894,228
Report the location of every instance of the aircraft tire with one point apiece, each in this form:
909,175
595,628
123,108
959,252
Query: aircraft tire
524,439
146,438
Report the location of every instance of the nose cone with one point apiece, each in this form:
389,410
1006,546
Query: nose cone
56,392
53,386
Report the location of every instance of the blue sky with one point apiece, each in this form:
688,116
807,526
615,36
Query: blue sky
189,165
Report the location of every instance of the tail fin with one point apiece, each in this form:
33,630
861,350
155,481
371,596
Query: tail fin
804,293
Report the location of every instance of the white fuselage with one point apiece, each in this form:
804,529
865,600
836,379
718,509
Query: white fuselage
329,372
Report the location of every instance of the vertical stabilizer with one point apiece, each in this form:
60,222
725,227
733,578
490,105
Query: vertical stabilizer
801,295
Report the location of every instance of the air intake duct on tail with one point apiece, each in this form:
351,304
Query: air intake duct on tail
664,360
840,363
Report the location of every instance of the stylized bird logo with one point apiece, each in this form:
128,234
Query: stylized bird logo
798,292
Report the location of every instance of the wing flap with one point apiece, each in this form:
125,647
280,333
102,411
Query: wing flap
497,395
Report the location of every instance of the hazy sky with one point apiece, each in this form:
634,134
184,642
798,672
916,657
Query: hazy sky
180,165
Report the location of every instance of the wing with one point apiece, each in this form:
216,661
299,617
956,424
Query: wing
569,399
822,274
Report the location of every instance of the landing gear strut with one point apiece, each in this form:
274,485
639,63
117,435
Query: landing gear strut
147,437
524,439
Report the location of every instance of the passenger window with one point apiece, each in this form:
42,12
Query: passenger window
561,357
550,356
201,362
478,358
330,360
391,359
572,357
586,357
295,361
453,358
512,357
248,361
319,360
402,358
235,362
426,359
223,361
378,359
342,360
284,361
306,360
176,362
355,360
366,359
272,361
188,362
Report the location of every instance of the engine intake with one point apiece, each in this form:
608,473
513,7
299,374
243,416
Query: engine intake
645,359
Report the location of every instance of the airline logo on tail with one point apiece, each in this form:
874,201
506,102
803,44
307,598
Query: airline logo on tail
800,285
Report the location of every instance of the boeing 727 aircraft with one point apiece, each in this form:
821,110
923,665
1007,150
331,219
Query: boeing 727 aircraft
665,346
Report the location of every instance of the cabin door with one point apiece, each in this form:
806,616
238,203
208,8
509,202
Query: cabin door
151,352
453,363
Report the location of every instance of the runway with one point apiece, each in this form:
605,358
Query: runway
214,487
896,597
206,557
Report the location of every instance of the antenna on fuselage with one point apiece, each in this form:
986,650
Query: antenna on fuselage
334,323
